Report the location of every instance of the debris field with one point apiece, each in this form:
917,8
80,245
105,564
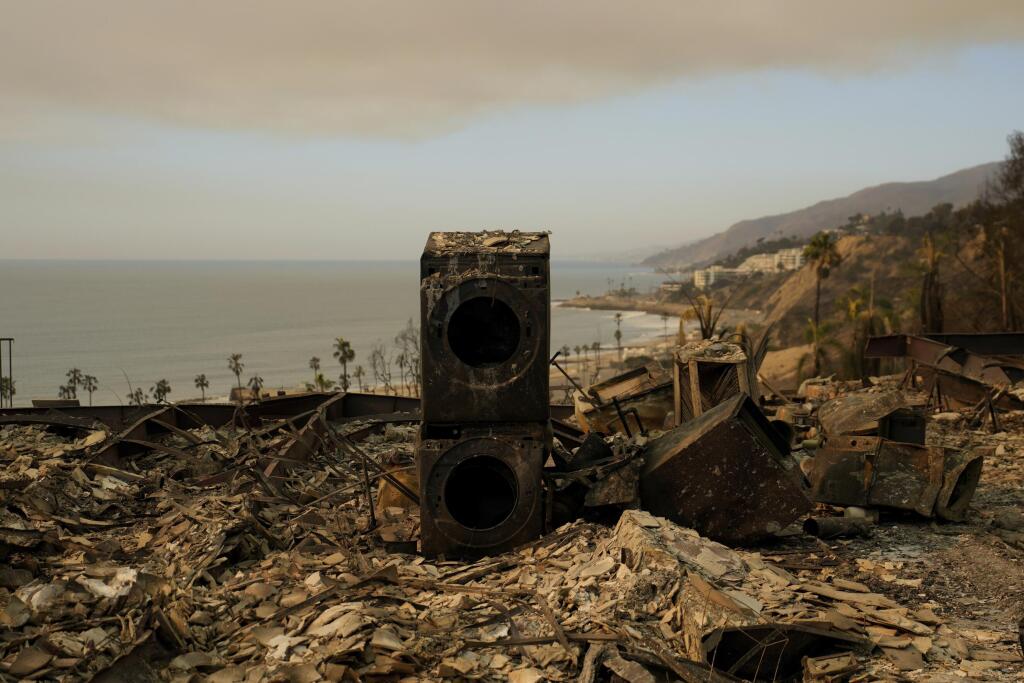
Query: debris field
217,553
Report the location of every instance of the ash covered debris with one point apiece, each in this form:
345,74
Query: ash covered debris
188,564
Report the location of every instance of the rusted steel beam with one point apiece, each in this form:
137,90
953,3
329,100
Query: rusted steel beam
994,344
954,360
966,392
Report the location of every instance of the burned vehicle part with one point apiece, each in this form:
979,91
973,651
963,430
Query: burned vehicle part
480,487
869,471
727,474
485,310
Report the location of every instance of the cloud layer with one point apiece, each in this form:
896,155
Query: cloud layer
312,67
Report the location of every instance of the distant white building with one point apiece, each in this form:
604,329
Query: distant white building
784,259
759,263
709,276
790,259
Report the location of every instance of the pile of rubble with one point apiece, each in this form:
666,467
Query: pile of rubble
246,550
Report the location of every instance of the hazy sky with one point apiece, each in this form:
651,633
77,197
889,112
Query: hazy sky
332,130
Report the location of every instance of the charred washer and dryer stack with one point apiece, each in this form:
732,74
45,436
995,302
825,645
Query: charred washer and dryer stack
485,306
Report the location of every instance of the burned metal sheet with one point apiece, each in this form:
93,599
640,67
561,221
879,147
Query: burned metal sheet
868,471
960,476
859,412
726,474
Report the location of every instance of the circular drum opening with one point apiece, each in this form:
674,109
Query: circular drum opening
481,492
483,332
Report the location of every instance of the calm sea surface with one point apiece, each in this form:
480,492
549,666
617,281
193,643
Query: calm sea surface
174,320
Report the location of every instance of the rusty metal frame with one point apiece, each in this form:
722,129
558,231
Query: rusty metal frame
954,360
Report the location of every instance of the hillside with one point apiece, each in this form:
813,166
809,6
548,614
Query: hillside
912,198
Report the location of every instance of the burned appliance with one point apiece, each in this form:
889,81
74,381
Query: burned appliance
485,310
485,315
480,487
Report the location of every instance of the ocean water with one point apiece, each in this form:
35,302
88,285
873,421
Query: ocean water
173,320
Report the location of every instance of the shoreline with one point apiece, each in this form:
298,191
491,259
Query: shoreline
607,302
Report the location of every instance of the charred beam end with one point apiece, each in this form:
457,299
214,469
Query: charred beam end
837,527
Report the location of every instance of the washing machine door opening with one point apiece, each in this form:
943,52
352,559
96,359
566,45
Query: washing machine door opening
484,332
481,492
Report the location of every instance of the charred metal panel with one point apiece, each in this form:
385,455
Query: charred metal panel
480,487
727,474
907,425
869,471
485,311
960,477
873,413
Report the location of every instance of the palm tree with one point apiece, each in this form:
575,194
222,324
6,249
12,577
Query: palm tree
359,373
236,366
256,386
320,383
707,312
314,365
344,353
160,390
202,384
74,376
931,288
596,348
618,334
821,253
7,390
137,397
90,384
65,392
819,339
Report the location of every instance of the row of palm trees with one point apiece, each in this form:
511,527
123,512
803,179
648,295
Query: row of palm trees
76,379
